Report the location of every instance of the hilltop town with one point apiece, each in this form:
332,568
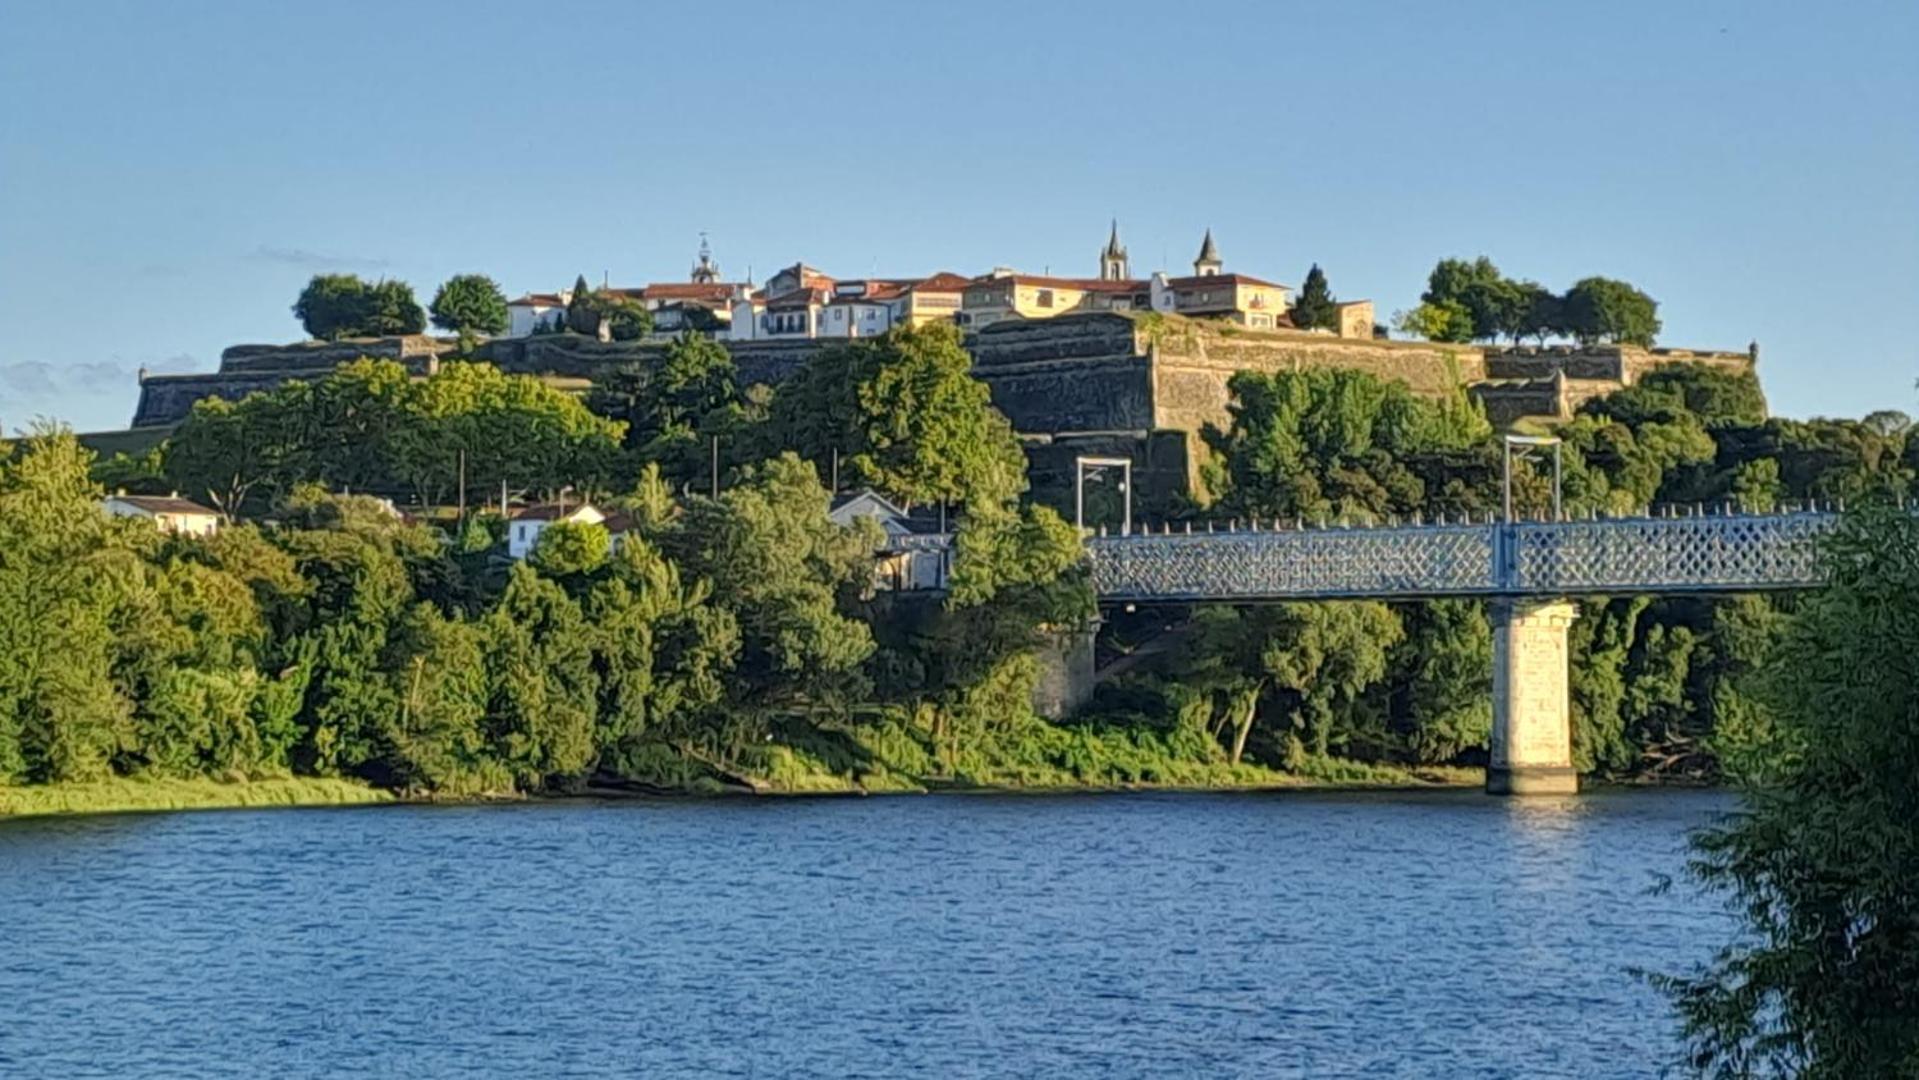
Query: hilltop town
1113,363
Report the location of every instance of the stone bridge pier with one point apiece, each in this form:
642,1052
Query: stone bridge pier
1532,751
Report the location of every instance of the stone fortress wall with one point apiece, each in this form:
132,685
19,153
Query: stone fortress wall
1134,384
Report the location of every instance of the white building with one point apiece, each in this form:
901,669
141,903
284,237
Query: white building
170,513
536,311
527,523
914,556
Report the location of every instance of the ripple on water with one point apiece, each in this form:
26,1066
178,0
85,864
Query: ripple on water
1256,935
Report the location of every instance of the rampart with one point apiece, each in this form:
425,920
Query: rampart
1115,376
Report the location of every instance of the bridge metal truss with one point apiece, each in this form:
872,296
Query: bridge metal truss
1704,554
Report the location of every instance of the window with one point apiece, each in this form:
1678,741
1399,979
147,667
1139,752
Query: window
1045,298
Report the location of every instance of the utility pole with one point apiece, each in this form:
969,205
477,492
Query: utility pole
836,471
463,483
716,466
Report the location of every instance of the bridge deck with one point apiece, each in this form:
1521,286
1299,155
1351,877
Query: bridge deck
1704,554
1709,554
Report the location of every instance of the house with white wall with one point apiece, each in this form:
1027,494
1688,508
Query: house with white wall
913,557
526,524
169,513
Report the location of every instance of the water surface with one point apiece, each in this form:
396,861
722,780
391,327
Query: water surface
1087,936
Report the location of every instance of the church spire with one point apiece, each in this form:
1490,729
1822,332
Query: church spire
1209,262
1112,261
705,271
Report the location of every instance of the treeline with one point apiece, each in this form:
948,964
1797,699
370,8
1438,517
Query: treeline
1473,301
336,306
728,639
1657,684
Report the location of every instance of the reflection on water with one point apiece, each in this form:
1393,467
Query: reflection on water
1257,935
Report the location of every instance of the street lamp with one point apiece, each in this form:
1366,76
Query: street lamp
1521,446
1081,465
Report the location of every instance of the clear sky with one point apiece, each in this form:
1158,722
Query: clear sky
172,173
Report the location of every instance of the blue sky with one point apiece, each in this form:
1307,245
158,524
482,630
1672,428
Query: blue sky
171,174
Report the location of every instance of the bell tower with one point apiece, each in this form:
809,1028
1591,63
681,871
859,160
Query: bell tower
1208,264
705,271
1112,261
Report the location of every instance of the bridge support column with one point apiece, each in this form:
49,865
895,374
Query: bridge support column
1532,712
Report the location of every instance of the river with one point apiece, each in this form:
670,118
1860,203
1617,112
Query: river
1444,934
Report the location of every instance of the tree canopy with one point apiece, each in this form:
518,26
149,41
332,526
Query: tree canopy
906,417
1315,309
470,304
1821,864
335,306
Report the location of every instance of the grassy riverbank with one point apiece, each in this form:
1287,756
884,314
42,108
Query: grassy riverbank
125,795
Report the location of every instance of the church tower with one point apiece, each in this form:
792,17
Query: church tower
1208,264
1112,261
705,271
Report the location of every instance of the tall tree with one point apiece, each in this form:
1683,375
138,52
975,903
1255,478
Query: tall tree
1823,864
906,416
1315,309
470,305
392,309
333,306
1600,309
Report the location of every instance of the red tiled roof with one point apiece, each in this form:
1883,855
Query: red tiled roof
1222,279
537,300
712,292
944,281
1082,284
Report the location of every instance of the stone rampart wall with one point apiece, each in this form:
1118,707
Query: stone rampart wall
323,356
1193,363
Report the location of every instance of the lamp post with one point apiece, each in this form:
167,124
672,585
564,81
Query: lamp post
1083,464
1519,447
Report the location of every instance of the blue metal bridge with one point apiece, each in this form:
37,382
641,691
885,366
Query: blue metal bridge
1675,554
1678,552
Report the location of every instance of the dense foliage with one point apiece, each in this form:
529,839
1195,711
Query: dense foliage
1473,301
1823,860
369,427
1315,309
470,305
335,306
728,639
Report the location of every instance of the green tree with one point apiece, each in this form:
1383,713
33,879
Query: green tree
1600,309
673,403
391,309
1315,309
789,576
1327,442
582,314
906,416
470,305
1446,321
1822,863
1477,287
62,712
542,691
569,548
333,306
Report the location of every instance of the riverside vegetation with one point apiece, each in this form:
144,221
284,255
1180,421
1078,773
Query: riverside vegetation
734,641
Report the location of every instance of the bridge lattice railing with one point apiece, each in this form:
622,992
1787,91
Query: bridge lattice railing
1733,553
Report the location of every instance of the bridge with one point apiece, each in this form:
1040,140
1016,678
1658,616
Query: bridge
1530,571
